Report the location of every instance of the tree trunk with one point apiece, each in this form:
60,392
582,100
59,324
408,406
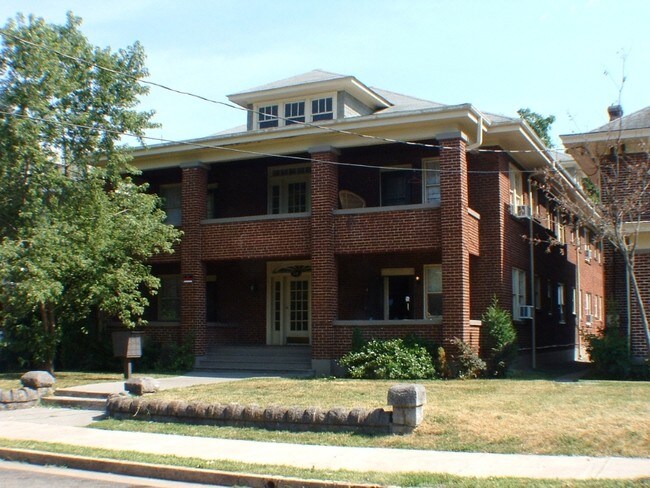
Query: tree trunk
637,293
47,319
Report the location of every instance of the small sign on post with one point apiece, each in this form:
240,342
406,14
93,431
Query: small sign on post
127,345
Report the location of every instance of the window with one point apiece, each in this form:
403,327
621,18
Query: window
558,227
588,317
516,187
268,116
597,307
294,112
169,298
431,180
395,188
322,109
433,290
171,196
289,189
560,303
518,292
574,301
211,201
211,298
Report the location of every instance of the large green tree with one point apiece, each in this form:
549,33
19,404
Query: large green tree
540,124
76,231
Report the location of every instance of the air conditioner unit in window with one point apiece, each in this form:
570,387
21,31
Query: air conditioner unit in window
521,211
526,312
589,318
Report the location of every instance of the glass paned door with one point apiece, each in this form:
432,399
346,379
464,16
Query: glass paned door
290,312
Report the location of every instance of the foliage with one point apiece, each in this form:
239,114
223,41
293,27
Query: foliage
75,229
609,356
358,340
502,336
466,363
540,124
389,359
167,357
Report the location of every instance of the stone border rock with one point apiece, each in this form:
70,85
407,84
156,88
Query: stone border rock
36,384
408,401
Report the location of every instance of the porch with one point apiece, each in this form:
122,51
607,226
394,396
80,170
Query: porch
267,359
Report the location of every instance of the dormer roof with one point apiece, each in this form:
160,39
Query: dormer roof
311,83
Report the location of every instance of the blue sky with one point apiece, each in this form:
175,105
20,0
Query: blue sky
500,55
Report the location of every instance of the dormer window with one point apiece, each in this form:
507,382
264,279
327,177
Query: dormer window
294,112
268,116
322,109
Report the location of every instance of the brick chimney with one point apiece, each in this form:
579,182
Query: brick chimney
615,112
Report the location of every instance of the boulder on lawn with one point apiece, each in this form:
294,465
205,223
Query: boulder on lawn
37,379
140,386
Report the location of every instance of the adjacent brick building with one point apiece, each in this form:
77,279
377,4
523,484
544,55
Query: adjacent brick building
617,158
341,207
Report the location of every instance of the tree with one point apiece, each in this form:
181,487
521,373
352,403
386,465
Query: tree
75,229
540,124
503,338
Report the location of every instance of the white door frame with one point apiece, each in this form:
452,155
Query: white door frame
280,277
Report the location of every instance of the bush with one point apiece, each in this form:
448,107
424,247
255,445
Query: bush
167,357
389,359
609,355
502,338
466,364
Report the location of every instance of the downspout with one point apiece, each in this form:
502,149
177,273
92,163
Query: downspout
531,249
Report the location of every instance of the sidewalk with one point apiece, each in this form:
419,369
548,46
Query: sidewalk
68,426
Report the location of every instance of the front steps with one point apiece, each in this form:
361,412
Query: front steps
76,399
265,359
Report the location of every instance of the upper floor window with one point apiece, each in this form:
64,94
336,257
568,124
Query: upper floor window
322,109
294,112
560,303
268,116
395,188
289,189
431,187
516,186
171,199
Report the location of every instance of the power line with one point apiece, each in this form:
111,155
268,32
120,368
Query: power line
243,151
246,109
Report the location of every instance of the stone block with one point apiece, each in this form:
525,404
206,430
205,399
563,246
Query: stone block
408,416
140,386
37,379
407,395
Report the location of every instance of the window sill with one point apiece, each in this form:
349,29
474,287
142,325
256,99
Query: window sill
163,323
382,322
252,218
392,208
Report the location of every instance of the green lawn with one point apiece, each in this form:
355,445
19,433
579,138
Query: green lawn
600,418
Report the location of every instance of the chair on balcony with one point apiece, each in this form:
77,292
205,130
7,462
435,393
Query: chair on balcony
351,200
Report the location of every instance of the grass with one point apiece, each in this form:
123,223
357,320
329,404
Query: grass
598,418
385,479
65,379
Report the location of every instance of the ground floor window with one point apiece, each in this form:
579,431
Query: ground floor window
399,285
169,299
433,290
518,292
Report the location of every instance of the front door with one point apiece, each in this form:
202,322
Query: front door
289,304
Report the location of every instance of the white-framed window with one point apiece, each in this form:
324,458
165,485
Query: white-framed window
516,186
559,227
574,301
169,298
597,307
588,309
268,116
172,203
294,112
518,292
289,189
538,292
432,290
322,109
560,303
399,285
431,181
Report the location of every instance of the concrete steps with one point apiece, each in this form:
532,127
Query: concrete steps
274,359
70,398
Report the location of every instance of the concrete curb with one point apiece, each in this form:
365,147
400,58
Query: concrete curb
170,473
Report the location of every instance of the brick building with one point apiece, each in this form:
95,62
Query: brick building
607,153
339,207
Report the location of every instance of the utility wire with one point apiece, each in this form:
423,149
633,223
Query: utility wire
246,109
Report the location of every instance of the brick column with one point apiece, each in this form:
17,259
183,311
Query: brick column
194,191
455,256
324,200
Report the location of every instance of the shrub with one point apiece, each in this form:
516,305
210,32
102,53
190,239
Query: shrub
502,338
466,364
167,357
389,359
609,354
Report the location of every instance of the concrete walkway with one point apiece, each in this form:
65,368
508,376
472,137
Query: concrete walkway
67,426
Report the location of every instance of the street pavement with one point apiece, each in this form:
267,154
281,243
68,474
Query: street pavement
68,426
